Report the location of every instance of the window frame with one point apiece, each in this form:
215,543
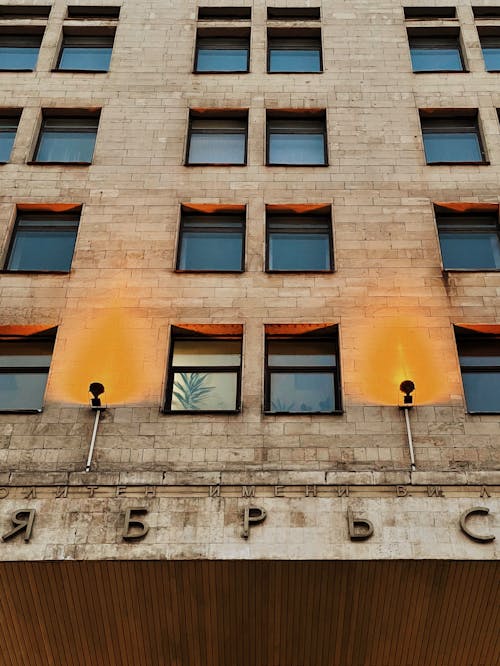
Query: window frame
291,36
61,115
46,336
475,338
13,118
73,217
324,218
202,35
320,116
458,121
317,336
434,36
235,216
217,116
178,333
83,36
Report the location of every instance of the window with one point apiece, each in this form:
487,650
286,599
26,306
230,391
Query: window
293,13
224,52
94,12
429,13
220,138
67,139
205,370
8,129
452,139
302,373
470,240
86,53
435,50
298,51
224,13
299,241
24,12
212,241
486,12
24,367
44,241
296,139
490,44
480,366
19,52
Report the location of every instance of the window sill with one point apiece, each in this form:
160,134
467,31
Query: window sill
80,71
483,413
7,271
298,72
318,271
470,270
442,71
226,71
336,412
223,412
299,166
74,164
191,271
21,411
17,70
215,164
482,163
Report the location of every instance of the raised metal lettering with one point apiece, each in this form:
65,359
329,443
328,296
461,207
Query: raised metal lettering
133,528
359,528
481,510
22,520
252,515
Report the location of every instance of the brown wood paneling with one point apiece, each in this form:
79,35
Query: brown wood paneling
249,613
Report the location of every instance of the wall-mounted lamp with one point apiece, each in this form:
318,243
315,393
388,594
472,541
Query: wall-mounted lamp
407,387
96,389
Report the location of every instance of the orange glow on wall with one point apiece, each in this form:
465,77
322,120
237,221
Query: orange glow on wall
111,346
397,348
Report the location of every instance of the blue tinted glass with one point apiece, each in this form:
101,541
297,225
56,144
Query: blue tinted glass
85,58
302,392
6,143
299,252
472,251
66,147
294,60
482,391
492,58
22,390
50,250
452,147
222,60
210,251
18,57
296,148
436,60
217,149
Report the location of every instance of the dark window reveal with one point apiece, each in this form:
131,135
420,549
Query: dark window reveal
217,141
224,13
436,53
469,242
297,242
43,242
480,366
211,242
8,129
82,53
296,141
24,367
293,13
205,374
222,54
429,13
67,139
94,12
19,52
294,54
302,375
452,139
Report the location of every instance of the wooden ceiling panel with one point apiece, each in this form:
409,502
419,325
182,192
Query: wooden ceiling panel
249,613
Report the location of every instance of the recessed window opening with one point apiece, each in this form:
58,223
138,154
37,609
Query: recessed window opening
93,12
217,140
222,53
452,139
67,139
435,51
86,53
24,11
224,13
8,129
480,366
490,45
293,13
19,51
429,13
295,53
296,140
486,12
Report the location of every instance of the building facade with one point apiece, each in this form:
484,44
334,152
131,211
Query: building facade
250,223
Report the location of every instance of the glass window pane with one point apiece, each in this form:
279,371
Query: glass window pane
296,148
436,59
222,60
482,391
210,250
299,252
6,143
208,391
452,147
42,250
84,58
217,148
17,57
204,353
285,353
66,146
22,390
470,250
302,392
294,60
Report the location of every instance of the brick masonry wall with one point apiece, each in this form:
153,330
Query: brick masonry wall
388,271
